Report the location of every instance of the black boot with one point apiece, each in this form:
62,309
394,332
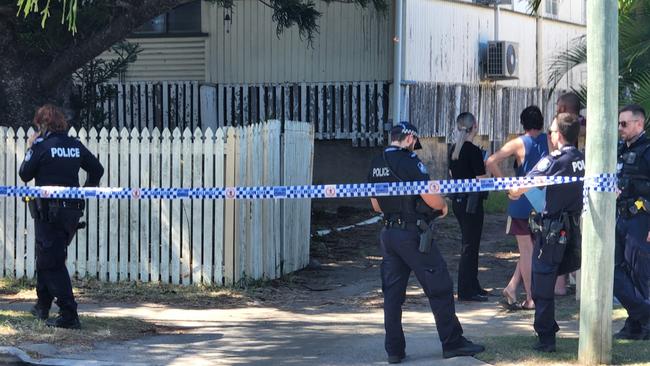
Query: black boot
396,358
631,330
40,312
544,347
66,319
466,348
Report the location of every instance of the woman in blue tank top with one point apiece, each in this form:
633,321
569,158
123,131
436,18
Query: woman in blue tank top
527,149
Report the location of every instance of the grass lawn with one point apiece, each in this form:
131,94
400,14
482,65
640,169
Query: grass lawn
516,350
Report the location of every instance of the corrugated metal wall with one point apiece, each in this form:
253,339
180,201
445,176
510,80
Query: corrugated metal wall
354,44
181,58
442,41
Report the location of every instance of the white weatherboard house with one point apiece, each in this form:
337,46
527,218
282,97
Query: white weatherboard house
213,67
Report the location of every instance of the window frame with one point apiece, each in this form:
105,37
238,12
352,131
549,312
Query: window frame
166,33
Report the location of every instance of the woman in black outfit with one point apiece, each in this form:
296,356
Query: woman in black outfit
466,161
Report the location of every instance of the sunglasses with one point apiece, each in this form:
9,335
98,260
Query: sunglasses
624,124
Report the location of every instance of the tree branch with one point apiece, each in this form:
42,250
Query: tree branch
79,53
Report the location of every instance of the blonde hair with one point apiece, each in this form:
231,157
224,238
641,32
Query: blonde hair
464,124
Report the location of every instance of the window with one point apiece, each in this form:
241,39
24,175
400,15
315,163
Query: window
183,19
552,8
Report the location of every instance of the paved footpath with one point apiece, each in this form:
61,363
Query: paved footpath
270,336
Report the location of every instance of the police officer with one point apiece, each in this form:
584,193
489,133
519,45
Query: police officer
632,260
401,249
54,159
557,230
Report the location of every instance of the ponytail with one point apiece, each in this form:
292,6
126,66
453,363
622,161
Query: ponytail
464,125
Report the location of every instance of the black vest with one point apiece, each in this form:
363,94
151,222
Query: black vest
633,169
397,165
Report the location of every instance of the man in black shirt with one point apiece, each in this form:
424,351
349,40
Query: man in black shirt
557,230
632,259
54,159
400,247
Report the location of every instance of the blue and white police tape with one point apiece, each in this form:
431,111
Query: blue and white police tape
600,183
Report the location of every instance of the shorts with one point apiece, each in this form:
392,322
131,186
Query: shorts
517,226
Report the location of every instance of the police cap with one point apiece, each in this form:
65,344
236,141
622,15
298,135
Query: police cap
407,128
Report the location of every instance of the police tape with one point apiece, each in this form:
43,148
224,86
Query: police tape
600,183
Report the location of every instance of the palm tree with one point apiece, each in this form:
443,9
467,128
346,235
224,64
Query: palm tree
634,54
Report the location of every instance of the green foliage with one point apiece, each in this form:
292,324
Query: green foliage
286,13
633,50
68,15
497,202
93,76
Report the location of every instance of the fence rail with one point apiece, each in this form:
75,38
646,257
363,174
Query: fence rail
353,110
181,241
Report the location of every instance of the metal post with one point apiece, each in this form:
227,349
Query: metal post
598,234
397,62
496,20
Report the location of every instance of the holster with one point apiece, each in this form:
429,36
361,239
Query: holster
426,236
36,209
554,234
472,202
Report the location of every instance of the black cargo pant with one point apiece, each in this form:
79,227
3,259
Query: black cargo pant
543,291
52,277
632,269
400,253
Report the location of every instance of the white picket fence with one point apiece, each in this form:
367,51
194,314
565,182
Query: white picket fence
177,241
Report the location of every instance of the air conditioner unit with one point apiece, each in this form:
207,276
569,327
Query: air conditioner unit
502,60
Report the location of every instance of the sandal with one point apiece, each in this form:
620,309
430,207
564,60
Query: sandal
523,306
509,302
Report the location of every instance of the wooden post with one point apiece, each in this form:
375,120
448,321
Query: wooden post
598,236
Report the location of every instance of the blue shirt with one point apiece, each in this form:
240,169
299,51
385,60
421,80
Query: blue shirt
535,149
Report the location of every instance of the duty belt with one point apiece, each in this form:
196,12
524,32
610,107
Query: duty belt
66,203
400,224
629,207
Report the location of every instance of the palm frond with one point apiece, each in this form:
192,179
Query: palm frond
563,62
634,34
641,92
534,5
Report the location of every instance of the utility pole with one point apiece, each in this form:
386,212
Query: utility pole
598,224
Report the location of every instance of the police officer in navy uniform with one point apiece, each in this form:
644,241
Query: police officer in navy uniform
400,247
632,260
556,230
54,159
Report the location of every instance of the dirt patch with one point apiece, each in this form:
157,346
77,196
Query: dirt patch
359,247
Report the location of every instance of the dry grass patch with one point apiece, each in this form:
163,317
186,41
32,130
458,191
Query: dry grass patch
20,327
92,290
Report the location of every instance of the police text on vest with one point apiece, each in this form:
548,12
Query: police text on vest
380,172
578,165
65,152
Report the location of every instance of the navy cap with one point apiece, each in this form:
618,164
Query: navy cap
407,128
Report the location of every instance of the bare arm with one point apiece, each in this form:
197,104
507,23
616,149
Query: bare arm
516,193
511,148
375,205
436,202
